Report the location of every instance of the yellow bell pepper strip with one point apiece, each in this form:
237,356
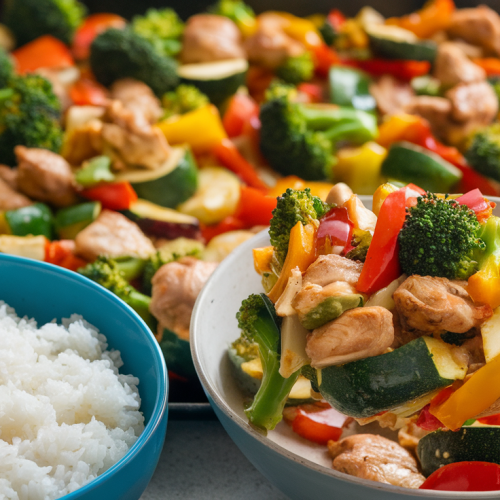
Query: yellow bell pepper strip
202,129
318,188
484,286
262,259
382,192
359,167
302,30
475,396
396,129
301,254
434,16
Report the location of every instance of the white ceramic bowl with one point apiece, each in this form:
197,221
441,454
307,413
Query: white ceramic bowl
300,469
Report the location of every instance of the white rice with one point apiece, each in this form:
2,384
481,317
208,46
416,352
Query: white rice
66,414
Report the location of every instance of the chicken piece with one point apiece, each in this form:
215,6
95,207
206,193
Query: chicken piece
208,38
391,95
138,98
113,235
45,176
329,268
474,103
452,66
434,109
358,333
175,288
409,436
130,140
339,194
11,199
9,176
270,46
478,26
59,88
433,305
376,458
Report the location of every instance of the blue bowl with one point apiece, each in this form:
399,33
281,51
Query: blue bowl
44,292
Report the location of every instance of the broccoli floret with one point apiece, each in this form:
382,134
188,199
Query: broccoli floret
259,323
299,139
107,272
361,242
162,28
438,238
6,68
245,348
29,19
483,153
29,115
183,99
121,53
236,10
296,69
293,206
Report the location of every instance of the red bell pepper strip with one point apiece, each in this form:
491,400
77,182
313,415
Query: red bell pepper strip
240,110
312,90
230,223
90,28
490,64
427,421
43,52
402,69
317,422
336,19
324,57
382,263
227,153
464,476
335,230
475,201
61,253
255,208
88,92
113,196
491,420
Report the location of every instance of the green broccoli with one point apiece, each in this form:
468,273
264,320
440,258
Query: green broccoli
29,19
162,28
6,68
483,153
361,242
121,53
245,348
328,32
108,273
299,139
296,69
439,238
29,115
293,206
236,10
183,99
258,323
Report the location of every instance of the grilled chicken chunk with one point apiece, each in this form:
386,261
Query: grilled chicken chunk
391,95
368,456
114,235
45,176
329,268
208,37
358,333
432,305
176,286
11,199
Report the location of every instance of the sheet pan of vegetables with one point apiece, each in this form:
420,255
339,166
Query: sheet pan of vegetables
141,152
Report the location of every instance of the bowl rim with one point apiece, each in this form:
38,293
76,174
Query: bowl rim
160,409
197,326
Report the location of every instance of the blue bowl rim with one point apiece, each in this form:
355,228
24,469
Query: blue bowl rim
223,270
161,403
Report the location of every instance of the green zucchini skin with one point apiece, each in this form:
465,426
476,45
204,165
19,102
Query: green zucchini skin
177,353
350,87
481,444
175,187
71,220
368,386
408,162
423,50
36,219
247,384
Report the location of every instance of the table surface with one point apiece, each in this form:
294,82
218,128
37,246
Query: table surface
200,461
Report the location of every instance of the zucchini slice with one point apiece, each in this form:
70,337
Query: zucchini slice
368,386
393,42
407,162
219,80
177,353
162,222
481,444
71,220
171,184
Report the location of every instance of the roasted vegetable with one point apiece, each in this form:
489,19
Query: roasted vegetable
483,153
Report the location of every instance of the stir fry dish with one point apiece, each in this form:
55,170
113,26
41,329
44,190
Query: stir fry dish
388,315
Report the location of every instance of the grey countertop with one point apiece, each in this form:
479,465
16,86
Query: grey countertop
199,461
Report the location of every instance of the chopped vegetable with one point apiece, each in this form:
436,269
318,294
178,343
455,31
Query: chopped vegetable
183,99
114,196
95,171
296,69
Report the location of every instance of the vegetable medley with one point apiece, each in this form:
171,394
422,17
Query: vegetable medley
388,316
